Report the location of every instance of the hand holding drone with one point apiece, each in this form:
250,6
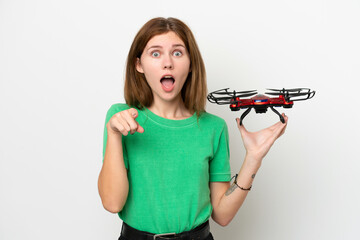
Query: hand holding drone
260,102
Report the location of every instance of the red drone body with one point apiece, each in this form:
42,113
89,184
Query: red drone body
260,102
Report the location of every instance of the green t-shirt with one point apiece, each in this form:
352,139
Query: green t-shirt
169,168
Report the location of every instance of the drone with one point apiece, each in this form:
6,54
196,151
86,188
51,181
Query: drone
237,100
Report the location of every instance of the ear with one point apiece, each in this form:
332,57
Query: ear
138,66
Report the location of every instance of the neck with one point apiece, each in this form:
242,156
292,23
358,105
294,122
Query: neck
171,110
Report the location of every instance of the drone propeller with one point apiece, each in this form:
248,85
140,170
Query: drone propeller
293,93
217,96
221,91
288,90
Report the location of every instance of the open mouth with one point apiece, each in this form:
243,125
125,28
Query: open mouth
167,81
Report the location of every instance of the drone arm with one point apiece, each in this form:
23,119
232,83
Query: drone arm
275,111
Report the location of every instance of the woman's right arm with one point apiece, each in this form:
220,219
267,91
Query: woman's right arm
113,182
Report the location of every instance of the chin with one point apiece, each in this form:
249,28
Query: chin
169,97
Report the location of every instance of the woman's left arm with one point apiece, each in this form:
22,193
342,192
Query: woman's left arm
225,199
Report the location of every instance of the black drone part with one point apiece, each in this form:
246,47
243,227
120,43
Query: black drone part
233,92
261,110
230,96
292,93
289,90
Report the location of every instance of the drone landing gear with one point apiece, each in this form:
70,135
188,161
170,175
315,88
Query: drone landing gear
244,115
272,108
275,111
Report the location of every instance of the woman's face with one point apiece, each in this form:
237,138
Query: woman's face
165,63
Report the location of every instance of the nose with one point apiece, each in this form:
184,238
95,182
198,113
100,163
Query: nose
168,64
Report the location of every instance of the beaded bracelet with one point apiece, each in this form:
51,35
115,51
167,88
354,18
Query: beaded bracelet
235,181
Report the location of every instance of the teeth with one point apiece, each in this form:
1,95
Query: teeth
168,77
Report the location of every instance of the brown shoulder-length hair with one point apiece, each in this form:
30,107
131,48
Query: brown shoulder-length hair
137,91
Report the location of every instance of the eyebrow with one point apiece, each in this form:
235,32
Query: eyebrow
174,45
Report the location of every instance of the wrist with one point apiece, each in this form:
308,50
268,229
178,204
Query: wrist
111,132
236,183
252,162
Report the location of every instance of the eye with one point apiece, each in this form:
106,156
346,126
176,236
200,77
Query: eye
155,54
177,53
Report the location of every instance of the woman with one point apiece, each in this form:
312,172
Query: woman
172,172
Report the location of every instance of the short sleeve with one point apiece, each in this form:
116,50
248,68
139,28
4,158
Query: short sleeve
220,163
112,110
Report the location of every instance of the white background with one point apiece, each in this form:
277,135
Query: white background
62,66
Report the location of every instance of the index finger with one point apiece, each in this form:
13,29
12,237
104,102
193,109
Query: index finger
133,112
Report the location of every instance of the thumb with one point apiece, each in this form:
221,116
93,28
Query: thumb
241,127
139,129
